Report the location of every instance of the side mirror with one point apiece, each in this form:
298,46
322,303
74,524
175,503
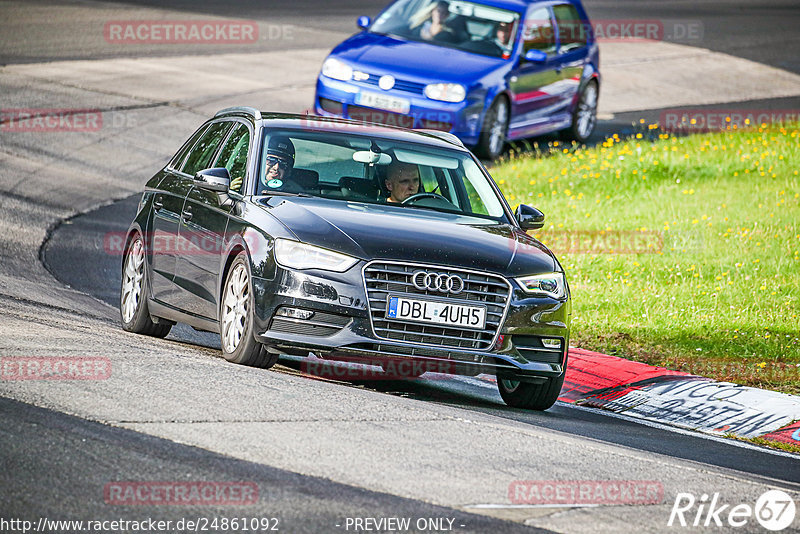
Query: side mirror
217,179
363,22
535,56
528,217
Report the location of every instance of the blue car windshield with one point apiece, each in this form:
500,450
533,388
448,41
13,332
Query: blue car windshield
468,26
370,169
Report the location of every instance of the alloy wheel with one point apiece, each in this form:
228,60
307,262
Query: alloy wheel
132,280
587,111
498,129
234,308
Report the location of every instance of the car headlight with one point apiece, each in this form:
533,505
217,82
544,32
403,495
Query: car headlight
297,255
446,92
551,284
338,70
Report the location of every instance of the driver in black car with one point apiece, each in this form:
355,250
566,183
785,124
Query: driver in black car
278,166
402,181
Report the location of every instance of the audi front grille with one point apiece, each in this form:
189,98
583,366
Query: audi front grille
389,278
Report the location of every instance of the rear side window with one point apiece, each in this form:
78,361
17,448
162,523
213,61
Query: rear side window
538,33
233,156
572,31
180,157
200,156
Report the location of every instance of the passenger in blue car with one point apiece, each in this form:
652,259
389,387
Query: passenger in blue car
436,28
503,37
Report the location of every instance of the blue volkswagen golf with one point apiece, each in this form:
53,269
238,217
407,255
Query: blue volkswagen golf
487,71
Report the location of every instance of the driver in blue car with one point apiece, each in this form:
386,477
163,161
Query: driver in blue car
402,181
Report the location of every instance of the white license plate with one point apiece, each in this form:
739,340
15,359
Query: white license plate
436,312
379,101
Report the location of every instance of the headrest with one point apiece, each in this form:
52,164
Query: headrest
306,178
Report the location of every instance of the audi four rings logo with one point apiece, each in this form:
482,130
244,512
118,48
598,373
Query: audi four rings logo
444,283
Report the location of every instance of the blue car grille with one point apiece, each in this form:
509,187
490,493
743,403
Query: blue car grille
383,278
400,85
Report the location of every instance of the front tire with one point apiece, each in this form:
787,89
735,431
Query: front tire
584,116
530,396
239,344
494,129
133,309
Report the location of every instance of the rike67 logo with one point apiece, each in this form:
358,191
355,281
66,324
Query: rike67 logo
774,510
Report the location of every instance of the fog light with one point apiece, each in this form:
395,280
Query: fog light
551,343
294,313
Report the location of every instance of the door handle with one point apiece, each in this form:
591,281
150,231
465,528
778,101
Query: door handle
187,214
158,203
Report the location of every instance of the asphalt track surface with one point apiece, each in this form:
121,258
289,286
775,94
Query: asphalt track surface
761,30
41,478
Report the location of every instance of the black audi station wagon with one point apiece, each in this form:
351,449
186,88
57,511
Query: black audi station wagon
293,234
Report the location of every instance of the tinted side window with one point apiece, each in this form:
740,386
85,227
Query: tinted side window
177,160
572,30
203,151
233,156
538,32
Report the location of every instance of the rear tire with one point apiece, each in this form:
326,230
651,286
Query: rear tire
133,309
584,116
494,129
528,395
238,341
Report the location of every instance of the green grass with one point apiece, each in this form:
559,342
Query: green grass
705,272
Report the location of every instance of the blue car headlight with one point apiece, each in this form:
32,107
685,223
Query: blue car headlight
550,285
338,70
446,92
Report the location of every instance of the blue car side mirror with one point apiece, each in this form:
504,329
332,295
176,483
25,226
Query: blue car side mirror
535,56
363,22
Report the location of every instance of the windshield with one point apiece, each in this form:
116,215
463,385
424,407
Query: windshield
355,168
464,25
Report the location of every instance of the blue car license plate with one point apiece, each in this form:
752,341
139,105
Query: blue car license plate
377,100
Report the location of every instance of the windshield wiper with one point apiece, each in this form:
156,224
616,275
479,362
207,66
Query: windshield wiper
284,194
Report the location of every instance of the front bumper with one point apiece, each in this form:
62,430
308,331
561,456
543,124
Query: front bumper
341,328
338,99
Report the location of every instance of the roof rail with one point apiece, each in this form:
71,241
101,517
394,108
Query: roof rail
447,136
240,109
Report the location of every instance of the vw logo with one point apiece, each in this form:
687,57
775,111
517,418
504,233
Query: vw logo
386,82
441,282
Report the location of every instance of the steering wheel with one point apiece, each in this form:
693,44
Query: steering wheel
420,196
